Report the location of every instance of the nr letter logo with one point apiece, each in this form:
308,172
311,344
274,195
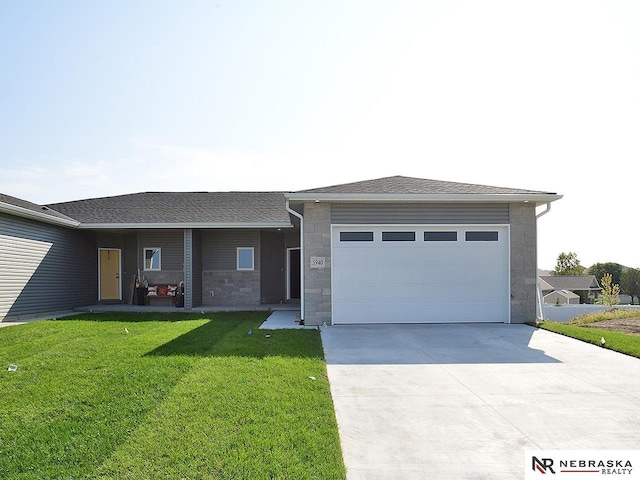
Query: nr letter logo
542,465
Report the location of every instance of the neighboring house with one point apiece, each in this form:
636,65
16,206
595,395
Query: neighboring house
584,286
562,297
390,250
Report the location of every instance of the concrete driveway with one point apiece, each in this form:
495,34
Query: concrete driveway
465,401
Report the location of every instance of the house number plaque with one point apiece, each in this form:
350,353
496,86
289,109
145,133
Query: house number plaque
317,262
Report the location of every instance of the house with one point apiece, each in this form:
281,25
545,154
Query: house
562,297
584,286
389,250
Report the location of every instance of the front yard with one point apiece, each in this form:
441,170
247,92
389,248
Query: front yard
619,329
165,396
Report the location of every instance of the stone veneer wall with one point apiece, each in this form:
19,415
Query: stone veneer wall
231,287
317,283
522,217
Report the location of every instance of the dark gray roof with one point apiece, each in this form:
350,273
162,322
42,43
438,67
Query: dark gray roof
571,282
411,185
32,207
246,208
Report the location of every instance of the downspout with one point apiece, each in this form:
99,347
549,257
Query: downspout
299,216
545,211
540,315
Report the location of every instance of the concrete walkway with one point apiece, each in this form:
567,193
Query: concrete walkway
465,401
283,319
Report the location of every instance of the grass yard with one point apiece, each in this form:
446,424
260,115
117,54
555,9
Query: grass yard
616,326
172,396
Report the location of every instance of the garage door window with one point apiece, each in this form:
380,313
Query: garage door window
398,236
481,236
356,236
440,236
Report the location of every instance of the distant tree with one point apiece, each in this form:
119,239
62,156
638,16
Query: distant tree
599,270
610,294
630,283
568,264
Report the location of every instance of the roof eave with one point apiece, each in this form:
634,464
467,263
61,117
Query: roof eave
537,198
40,217
101,226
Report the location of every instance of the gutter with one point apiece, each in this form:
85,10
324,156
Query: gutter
40,217
184,225
299,216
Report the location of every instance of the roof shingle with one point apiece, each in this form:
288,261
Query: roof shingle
411,185
37,209
571,282
180,208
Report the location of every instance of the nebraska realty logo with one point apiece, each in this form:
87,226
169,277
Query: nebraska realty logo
567,464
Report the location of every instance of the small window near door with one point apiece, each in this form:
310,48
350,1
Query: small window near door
440,236
356,236
245,258
398,236
153,258
481,236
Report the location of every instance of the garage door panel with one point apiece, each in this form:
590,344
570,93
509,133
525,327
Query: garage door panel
370,275
418,312
418,261
447,293
418,282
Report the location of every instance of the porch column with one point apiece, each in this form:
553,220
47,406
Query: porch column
188,269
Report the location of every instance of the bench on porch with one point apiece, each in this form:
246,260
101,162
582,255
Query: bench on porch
163,290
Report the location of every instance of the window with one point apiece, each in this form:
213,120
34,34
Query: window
245,258
152,258
440,236
481,236
398,236
356,236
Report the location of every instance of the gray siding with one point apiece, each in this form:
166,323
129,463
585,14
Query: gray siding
219,247
415,213
44,268
109,240
129,264
222,283
292,238
196,254
172,257
273,288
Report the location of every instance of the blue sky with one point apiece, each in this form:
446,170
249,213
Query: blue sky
104,98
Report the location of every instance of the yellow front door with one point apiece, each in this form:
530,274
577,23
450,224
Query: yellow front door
109,274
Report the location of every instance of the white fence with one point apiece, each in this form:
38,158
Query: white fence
564,313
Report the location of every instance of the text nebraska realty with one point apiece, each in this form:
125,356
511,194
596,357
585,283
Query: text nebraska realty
604,467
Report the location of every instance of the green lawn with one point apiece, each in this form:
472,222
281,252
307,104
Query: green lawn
620,342
177,397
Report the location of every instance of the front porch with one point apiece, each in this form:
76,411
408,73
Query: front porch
119,307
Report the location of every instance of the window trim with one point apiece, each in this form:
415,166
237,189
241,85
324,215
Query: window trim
369,236
253,259
440,236
144,258
390,234
478,234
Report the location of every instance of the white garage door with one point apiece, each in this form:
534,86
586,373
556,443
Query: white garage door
420,274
